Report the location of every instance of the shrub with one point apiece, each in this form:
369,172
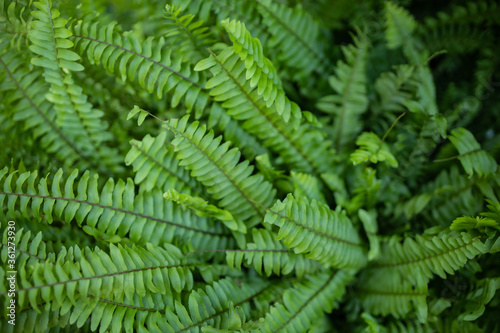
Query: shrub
160,172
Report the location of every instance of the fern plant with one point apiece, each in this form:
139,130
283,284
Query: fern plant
249,166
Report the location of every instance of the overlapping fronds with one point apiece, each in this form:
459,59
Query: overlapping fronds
217,167
149,63
296,166
419,259
317,231
84,124
116,275
203,208
259,70
26,91
305,303
268,255
440,199
14,22
154,164
490,219
382,294
226,304
231,86
112,213
479,297
190,37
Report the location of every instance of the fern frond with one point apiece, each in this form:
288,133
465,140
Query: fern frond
217,306
190,37
466,24
306,303
115,275
29,249
92,313
307,186
479,297
14,22
419,259
149,63
392,89
154,164
349,83
372,149
400,25
391,294
322,234
249,145
259,70
267,254
296,36
231,87
472,157
450,192
49,37
30,107
115,211
216,166
244,11
203,208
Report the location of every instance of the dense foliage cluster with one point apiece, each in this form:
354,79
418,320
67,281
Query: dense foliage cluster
250,166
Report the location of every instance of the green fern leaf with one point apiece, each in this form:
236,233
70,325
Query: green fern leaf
217,168
115,210
268,254
472,157
322,234
154,164
349,83
372,149
305,303
150,63
419,259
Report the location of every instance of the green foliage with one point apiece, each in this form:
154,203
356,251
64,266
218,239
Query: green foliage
159,171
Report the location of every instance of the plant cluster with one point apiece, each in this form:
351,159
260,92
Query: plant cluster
250,166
